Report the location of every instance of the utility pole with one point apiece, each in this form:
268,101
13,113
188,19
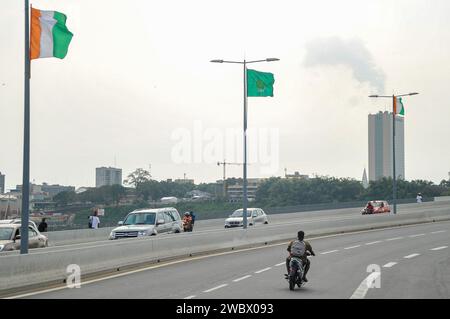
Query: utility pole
225,163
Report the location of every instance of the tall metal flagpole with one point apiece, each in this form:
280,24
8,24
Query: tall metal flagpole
244,206
26,140
394,188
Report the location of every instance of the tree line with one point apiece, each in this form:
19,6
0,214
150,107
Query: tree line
273,192
286,192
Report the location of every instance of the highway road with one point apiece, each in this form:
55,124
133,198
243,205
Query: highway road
308,219
413,261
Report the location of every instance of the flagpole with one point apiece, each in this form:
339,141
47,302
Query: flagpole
245,199
394,188
244,213
26,140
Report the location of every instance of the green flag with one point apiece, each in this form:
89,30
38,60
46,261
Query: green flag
259,83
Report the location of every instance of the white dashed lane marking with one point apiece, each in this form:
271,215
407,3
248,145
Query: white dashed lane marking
262,270
351,247
439,248
395,238
374,242
389,265
190,297
242,278
438,232
418,235
329,252
411,256
280,264
215,288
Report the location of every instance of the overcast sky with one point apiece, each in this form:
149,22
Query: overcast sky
137,75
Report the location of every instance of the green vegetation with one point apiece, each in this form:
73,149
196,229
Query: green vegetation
285,192
274,192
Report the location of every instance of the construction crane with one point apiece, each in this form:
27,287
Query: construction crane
225,163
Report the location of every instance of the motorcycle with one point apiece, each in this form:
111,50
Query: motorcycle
297,269
187,226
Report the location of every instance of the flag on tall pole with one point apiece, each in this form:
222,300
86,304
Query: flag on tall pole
399,109
49,38
259,83
49,34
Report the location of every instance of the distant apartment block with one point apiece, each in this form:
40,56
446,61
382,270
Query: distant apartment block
236,192
106,176
184,181
2,183
380,146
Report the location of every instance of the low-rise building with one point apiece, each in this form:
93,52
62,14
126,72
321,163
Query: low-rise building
296,175
236,192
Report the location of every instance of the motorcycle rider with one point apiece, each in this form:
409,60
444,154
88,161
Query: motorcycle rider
187,222
369,208
305,260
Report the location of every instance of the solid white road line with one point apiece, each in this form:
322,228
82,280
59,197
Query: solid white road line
438,232
262,270
361,291
411,256
242,278
395,238
215,288
389,265
329,252
418,235
351,247
439,248
190,297
280,264
374,242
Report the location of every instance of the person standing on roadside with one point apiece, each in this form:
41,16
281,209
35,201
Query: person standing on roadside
42,226
94,221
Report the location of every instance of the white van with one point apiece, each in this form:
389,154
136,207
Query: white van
148,222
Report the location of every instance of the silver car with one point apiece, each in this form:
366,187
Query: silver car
254,216
17,221
10,237
148,222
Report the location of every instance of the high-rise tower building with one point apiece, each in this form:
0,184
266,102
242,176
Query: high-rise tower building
380,146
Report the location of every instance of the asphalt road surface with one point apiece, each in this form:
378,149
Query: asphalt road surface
409,262
327,217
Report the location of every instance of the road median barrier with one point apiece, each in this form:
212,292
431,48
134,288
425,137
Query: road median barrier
42,269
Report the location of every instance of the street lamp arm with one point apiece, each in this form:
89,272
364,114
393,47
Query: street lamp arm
390,96
246,62
255,61
409,94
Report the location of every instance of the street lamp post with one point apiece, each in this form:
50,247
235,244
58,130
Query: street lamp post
394,174
244,63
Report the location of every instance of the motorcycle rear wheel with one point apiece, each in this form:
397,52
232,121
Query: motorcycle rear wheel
292,279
